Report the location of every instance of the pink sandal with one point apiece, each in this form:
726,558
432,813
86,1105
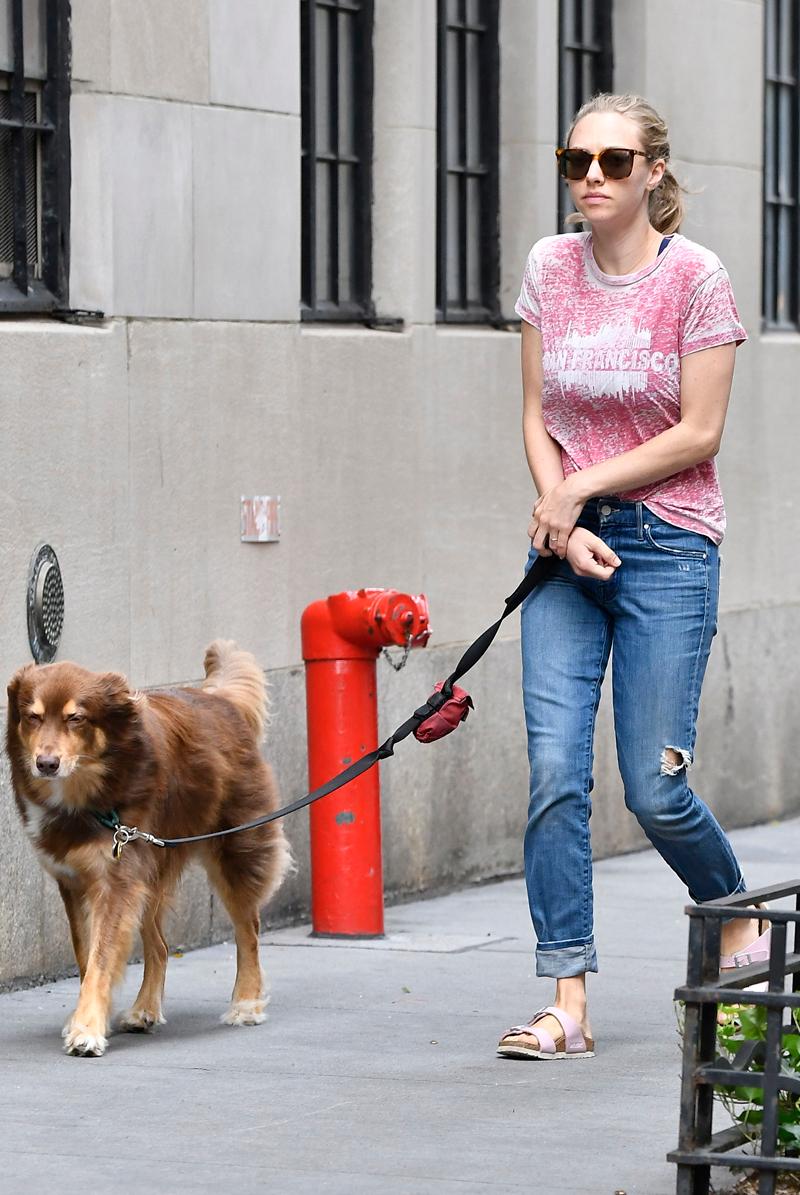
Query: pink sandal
572,1042
756,952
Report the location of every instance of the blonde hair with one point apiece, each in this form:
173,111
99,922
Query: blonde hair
666,208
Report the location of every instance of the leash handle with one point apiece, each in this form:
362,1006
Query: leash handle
539,570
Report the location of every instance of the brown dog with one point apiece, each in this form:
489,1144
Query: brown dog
175,763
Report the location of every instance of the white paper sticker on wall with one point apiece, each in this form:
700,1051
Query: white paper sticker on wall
261,520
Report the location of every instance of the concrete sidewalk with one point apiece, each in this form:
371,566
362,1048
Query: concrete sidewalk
376,1070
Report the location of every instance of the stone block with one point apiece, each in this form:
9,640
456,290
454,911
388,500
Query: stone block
631,45
212,418
720,122
91,283
363,495
466,365
746,753
528,190
723,209
405,65
21,881
430,793
404,215
159,48
246,215
65,444
255,54
152,208
286,751
758,569
724,123
90,26
188,921
528,72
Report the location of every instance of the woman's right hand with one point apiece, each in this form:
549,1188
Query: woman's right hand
589,556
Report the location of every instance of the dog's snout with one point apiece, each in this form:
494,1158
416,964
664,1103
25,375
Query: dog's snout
48,765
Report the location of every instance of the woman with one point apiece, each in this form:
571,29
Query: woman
628,341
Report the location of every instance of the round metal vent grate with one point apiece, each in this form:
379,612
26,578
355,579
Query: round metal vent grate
45,604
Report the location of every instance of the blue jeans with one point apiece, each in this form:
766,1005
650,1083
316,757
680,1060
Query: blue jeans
658,612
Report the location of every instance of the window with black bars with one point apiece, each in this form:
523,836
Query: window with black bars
467,202
336,82
781,273
34,154
585,67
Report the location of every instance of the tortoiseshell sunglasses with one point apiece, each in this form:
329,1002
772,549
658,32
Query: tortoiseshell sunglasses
614,162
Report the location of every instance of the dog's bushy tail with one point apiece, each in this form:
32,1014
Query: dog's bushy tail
235,674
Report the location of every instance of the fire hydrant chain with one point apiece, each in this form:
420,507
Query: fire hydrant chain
403,660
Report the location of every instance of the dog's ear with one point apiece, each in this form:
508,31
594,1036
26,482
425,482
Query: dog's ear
112,695
14,686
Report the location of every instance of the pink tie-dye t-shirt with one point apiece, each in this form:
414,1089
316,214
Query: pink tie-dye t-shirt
612,348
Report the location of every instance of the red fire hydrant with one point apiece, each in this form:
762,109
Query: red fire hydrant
342,638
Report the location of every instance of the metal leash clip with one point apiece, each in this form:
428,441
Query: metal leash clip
125,834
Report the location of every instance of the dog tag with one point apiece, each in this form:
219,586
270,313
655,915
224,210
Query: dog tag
121,838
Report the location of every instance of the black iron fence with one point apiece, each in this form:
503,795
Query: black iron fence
758,1065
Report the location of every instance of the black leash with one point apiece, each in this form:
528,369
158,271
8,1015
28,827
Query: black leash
539,570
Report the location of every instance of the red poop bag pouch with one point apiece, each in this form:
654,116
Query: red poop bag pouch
447,717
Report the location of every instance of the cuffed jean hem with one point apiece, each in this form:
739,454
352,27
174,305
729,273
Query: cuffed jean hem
565,961
740,887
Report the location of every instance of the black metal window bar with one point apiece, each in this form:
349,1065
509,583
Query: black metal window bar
34,154
699,1149
585,67
781,273
468,138
336,106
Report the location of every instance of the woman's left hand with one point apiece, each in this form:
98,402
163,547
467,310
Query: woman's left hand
554,516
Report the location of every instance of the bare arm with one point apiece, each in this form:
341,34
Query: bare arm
706,378
544,455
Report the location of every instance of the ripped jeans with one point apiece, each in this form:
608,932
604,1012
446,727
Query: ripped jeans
658,612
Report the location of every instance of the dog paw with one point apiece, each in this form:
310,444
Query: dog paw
246,1012
79,1042
140,1020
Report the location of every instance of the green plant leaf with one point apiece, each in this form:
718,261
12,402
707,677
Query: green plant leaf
789,1134
753,1022
751,1116
745,1103
791,1046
